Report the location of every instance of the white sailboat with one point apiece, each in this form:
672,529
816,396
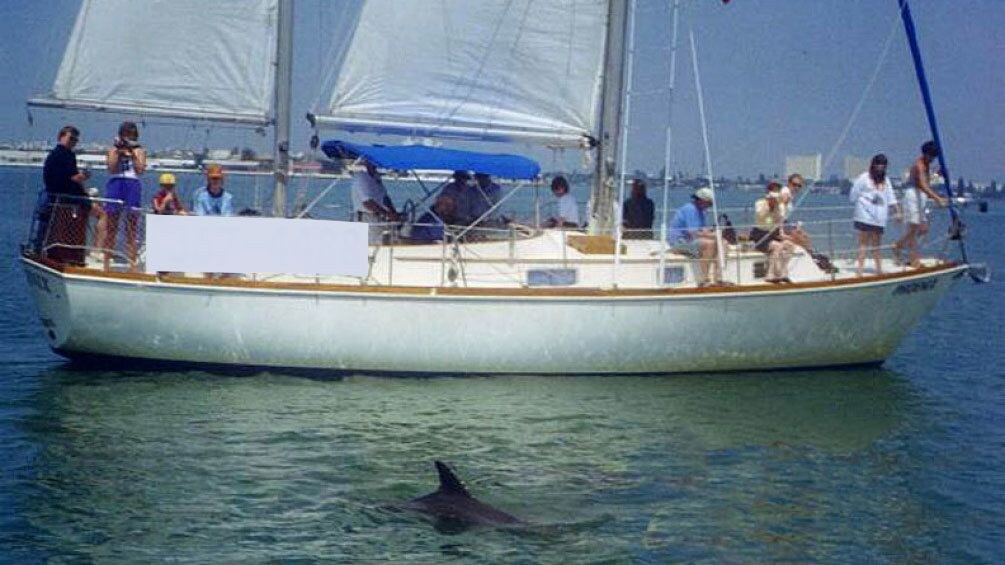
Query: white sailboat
527,300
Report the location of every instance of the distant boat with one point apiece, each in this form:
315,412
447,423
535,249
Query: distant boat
503,299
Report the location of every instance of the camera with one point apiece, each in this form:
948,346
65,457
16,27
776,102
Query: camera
123,143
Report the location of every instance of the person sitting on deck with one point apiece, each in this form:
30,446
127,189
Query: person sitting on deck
371,202
487,195
464,197
166,201
212,199
568,209
690,235
769,235
430,226
638,213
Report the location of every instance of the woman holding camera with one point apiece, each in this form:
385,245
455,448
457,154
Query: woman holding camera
126,161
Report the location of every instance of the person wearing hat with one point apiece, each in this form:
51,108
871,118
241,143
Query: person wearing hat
690,234
212,199
769,235
917,192
166,201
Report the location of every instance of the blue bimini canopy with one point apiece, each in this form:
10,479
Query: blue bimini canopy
408,157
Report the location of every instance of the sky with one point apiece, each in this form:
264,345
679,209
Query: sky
779,77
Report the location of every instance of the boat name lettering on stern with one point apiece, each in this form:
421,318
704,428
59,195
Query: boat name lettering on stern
38,281
916,286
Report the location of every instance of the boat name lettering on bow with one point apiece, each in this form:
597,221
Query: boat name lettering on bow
917,286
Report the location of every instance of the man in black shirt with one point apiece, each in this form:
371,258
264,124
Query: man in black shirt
63,216
638,213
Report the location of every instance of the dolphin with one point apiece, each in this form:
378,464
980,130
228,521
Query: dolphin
455,509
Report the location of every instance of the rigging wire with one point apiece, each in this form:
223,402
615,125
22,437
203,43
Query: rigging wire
721,259
854,114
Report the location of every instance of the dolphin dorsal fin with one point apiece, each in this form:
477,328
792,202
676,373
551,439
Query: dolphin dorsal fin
449,482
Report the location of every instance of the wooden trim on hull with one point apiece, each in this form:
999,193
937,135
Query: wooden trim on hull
485,292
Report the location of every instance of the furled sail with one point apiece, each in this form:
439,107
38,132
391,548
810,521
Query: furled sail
499,70
178,58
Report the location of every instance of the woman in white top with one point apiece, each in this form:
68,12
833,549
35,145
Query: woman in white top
873,197
568,210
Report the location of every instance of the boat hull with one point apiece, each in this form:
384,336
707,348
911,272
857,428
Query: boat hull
439,331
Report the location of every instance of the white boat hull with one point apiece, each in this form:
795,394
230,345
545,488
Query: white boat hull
482,332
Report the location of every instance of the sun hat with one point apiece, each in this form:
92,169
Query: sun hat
704,194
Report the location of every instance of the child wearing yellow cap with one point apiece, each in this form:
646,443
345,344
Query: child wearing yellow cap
166,201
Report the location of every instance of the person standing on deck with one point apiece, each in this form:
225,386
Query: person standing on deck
916,195
370,202
690,235
126,161
63,208
638,213
873,197
212,199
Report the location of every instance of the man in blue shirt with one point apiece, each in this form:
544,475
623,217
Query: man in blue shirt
212,199
690,235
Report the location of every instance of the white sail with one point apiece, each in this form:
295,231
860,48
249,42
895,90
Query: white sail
486,69
178,58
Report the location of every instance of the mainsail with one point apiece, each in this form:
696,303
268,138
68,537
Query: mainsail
499,70
177,58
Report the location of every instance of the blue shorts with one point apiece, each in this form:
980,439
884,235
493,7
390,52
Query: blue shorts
129,191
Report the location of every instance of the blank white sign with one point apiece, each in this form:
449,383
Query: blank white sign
248,244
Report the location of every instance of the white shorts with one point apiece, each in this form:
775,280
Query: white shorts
915,206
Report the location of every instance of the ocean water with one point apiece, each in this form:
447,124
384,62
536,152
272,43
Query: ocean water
902,463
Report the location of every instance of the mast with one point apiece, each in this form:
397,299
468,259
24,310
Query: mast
612,83
284,78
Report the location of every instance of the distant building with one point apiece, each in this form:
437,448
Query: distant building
810,166
854,166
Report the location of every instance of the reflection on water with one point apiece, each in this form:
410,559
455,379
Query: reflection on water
198,466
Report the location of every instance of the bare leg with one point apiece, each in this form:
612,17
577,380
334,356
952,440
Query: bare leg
877,253
774,269
706,255
863,241
132,232
785,251
918,231
111,235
